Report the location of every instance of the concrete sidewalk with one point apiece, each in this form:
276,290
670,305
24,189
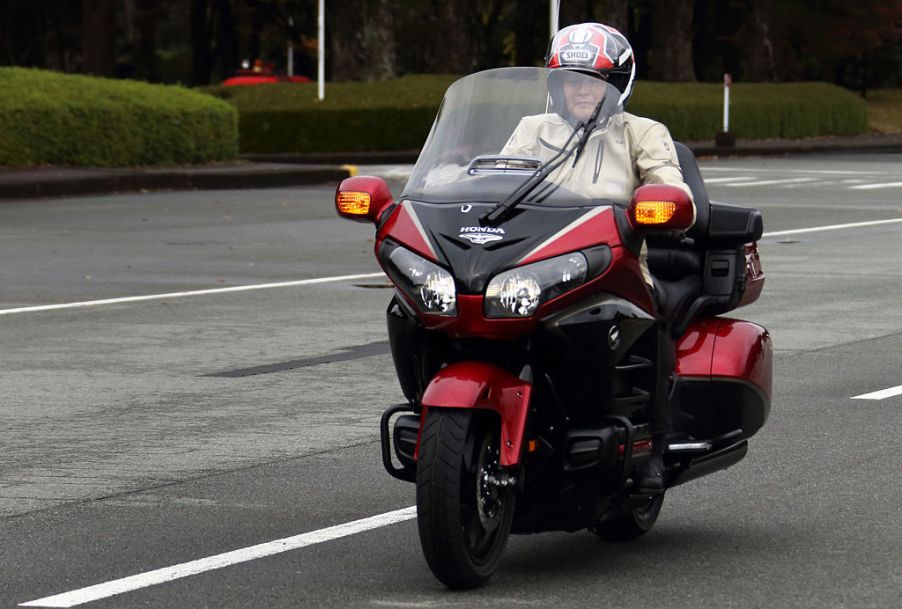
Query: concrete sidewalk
280,170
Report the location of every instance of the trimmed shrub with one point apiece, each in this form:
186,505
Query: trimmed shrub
757,110
397,114
64,119
384,115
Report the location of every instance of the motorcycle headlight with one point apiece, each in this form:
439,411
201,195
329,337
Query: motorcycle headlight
519,292
430,286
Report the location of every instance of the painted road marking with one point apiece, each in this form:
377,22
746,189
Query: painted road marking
816,229
202,565
880,395
238,288
771,182
795,171
876,186
318,280
726,180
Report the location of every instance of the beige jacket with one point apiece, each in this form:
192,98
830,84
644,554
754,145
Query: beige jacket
627,152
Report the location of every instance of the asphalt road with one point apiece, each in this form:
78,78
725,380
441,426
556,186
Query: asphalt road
138,435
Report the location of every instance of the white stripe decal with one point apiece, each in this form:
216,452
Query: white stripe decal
195,567
817,229
880,395
581,220
238,288
416,222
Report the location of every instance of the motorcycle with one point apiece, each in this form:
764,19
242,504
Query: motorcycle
523,334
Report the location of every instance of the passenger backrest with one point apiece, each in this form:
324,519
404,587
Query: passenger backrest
693,178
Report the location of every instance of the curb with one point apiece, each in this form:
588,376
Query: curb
65,182
283,170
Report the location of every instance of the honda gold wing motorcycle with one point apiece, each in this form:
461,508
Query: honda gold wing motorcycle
524,338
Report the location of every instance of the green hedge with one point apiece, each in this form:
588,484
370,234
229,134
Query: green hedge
757,110
397,114
62,119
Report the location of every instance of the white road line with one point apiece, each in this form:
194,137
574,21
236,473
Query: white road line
238,288
187,569
817,229
317,280
725,180
876,186
795,171
880,395
771,182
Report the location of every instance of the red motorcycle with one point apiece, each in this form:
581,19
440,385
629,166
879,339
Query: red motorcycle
524,339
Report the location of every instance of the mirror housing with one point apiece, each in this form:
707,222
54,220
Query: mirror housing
362,198
660,207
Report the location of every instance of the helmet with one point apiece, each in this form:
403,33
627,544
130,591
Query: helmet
598,50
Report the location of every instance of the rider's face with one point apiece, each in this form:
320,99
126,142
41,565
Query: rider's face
582,94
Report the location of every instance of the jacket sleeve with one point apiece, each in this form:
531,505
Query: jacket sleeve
656,159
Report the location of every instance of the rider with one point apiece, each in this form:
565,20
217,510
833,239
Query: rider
624,152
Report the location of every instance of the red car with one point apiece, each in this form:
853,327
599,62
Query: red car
261,74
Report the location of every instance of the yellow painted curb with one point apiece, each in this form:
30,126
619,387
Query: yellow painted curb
351,169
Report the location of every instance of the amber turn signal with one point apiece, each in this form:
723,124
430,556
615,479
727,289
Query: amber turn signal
654,212
353,203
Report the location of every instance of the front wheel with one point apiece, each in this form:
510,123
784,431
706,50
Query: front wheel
464,515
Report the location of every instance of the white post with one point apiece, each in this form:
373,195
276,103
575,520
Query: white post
553,9
727,81
321,50
290,50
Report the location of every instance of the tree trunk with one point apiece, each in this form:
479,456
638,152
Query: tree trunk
200,43
362,40
670,51
616,15
226,39
98,37
756,34
146,15
453,45
531,37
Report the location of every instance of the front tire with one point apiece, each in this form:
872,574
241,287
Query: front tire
464,520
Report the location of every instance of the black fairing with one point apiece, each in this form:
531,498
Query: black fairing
586,361
527,228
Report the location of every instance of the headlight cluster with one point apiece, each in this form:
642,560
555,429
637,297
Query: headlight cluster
519,292
515,293
431,286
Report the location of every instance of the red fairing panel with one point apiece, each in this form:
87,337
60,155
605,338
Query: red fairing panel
593,227
483,386
727,348
404,227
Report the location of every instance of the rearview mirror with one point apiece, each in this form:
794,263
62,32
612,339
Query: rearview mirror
660,207
362,198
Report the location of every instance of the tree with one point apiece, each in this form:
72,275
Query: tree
98,37
362,40
670,51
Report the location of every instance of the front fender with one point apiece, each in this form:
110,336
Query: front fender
482,386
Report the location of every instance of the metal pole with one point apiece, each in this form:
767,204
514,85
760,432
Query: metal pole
321,50
554,7
290,49
727,81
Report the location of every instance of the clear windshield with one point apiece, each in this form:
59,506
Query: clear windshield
496,128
